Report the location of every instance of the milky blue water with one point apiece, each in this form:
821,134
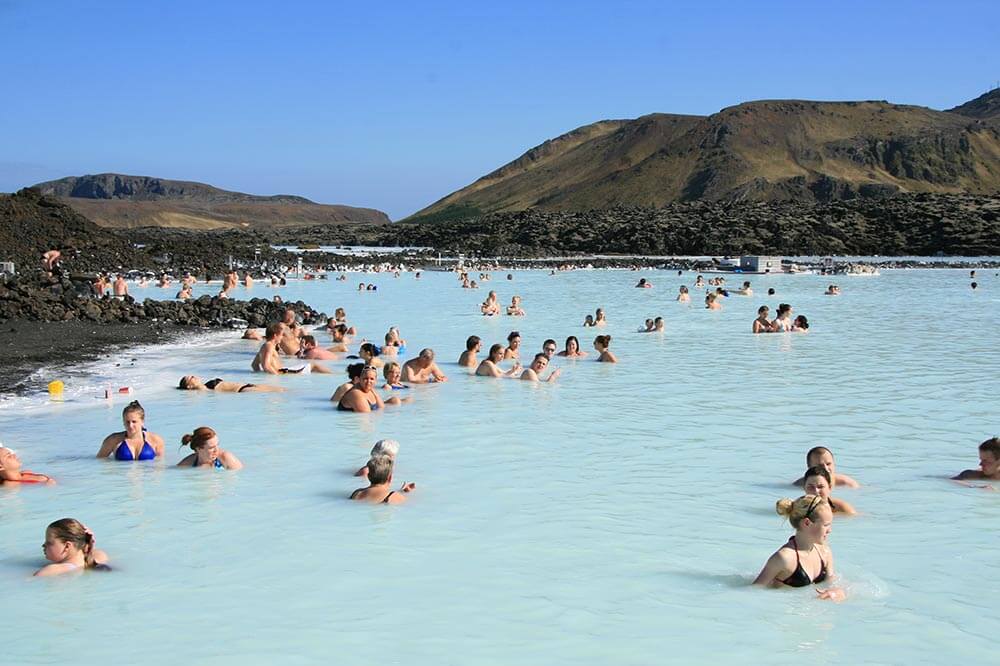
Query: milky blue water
616,516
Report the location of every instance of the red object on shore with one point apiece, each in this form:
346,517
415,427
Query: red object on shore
127,390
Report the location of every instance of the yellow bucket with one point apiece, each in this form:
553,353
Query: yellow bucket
56,388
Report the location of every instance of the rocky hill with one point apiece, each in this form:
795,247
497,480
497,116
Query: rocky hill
986,105
906,224
116,200
758,151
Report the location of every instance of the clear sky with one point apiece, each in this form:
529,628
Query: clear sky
395,106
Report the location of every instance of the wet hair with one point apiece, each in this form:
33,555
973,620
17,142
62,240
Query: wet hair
354,370
770,291
198,438
496,349
802,322
182,385
550,341
817,470
762,309
273,330
573,338
385,447
370,348
339,314
135,407
746,283
974,285
340,328
76,533
427,353
816,450
389,367
309,340
540,355
603,340
379,469
684,289
512,335
992,445
783,308
798,510
471,342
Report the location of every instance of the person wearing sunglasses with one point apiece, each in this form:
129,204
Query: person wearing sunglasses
806,559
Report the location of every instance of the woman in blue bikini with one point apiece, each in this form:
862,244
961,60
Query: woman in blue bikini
135,443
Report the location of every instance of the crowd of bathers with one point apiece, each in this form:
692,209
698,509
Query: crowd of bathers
805,559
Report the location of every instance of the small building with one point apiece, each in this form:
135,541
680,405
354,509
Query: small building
6,268
755,264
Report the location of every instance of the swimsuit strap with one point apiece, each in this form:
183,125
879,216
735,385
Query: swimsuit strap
355,493
386,500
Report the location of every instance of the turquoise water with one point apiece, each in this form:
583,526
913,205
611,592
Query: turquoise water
616,516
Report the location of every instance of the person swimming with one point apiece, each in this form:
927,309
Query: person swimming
379,479
818,482
515,309
712,302
194,383
599,318
135,442
513,350
70,548
820,456
207,452
643,284
11,472
588,321
989,463
800,325
806,559
683,296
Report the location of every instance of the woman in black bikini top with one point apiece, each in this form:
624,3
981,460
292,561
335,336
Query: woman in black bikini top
806,559
194,383
380,477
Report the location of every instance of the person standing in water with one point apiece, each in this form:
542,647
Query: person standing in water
468,358
135,442
806,559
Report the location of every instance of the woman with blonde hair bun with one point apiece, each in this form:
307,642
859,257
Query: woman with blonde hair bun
806,559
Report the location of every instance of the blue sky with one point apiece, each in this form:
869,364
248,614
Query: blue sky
397,106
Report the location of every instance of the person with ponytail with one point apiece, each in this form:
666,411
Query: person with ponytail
806,559
207,452
70,547
135,442
601,344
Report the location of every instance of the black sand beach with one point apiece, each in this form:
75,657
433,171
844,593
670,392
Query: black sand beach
26,346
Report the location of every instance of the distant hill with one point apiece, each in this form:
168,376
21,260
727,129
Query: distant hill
116,200
986,105
758,151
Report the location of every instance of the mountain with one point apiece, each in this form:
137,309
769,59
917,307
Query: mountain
116,200
773,150
986,105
